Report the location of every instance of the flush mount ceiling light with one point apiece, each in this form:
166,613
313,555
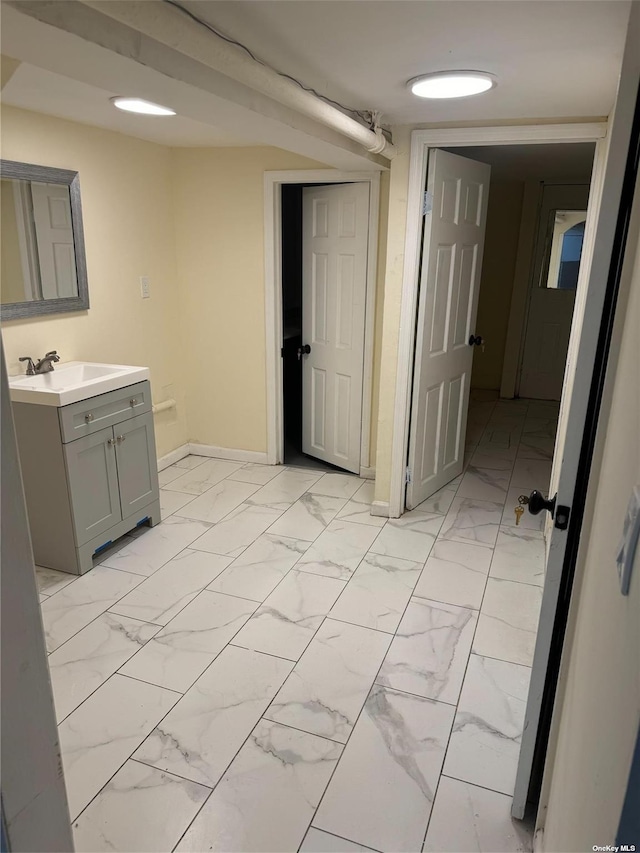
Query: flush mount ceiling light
451,84
139,105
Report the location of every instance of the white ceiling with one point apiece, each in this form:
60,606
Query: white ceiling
42,91
552,59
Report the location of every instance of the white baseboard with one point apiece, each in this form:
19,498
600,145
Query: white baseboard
229,453
173,457
380,508
368,473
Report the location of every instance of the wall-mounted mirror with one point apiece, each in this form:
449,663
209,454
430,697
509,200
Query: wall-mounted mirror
565,238
43,269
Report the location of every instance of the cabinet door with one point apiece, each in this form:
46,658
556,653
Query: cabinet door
93,483
137,467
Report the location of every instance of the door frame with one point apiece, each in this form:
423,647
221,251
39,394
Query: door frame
273,182
421,142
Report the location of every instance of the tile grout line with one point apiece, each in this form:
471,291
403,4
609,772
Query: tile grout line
297,728
160,770
115,672
474,785
471,652
145,621
196,594
374,684
244,742
326,616
129,756
464,677
98,615
230,642
271,702
333,835
367,553
136,678
500,660
214,657
377,674
455,714
187,547
150,683
287,573
158,725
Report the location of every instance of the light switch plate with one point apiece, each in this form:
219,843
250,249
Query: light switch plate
629,543
144,287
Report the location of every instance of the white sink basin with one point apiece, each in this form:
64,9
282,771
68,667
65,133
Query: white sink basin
74,381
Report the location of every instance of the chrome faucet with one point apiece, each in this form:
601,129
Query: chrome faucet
43,365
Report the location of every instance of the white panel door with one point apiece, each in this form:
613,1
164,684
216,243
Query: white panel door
335,222
54,235
453,243
552,292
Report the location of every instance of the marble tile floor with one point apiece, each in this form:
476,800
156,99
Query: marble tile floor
274,669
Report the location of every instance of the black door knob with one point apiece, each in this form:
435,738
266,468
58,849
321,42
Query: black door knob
305,349
537,502
476,340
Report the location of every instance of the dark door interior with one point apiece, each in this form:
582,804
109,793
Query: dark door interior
292,316
292,329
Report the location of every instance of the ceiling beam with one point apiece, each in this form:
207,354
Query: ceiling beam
82,42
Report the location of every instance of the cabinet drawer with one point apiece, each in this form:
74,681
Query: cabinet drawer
90,416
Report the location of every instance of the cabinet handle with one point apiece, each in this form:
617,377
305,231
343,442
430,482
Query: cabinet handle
133,401
88,418
120,438
111,441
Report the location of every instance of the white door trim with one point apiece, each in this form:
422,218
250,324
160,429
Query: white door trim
421,141
273,182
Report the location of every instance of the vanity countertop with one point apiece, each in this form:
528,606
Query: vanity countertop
74,381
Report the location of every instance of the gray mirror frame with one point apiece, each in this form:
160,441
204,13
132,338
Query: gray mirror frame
50,175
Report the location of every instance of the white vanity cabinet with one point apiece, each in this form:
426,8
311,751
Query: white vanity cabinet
90,473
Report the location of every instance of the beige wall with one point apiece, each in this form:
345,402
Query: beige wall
129,232
496,283
219,216
11,275
193,221
598,710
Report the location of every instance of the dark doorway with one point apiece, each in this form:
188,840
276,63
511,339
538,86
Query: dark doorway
292,330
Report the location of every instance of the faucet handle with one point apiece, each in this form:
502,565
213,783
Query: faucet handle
53,355
31,368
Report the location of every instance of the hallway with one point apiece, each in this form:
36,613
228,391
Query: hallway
273,668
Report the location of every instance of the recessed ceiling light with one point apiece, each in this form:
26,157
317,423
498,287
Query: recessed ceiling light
139,105
451,84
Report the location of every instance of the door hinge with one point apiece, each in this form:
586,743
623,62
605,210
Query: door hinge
281,352
407,475
427,203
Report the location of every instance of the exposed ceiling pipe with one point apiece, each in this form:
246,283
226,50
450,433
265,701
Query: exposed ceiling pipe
171,27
